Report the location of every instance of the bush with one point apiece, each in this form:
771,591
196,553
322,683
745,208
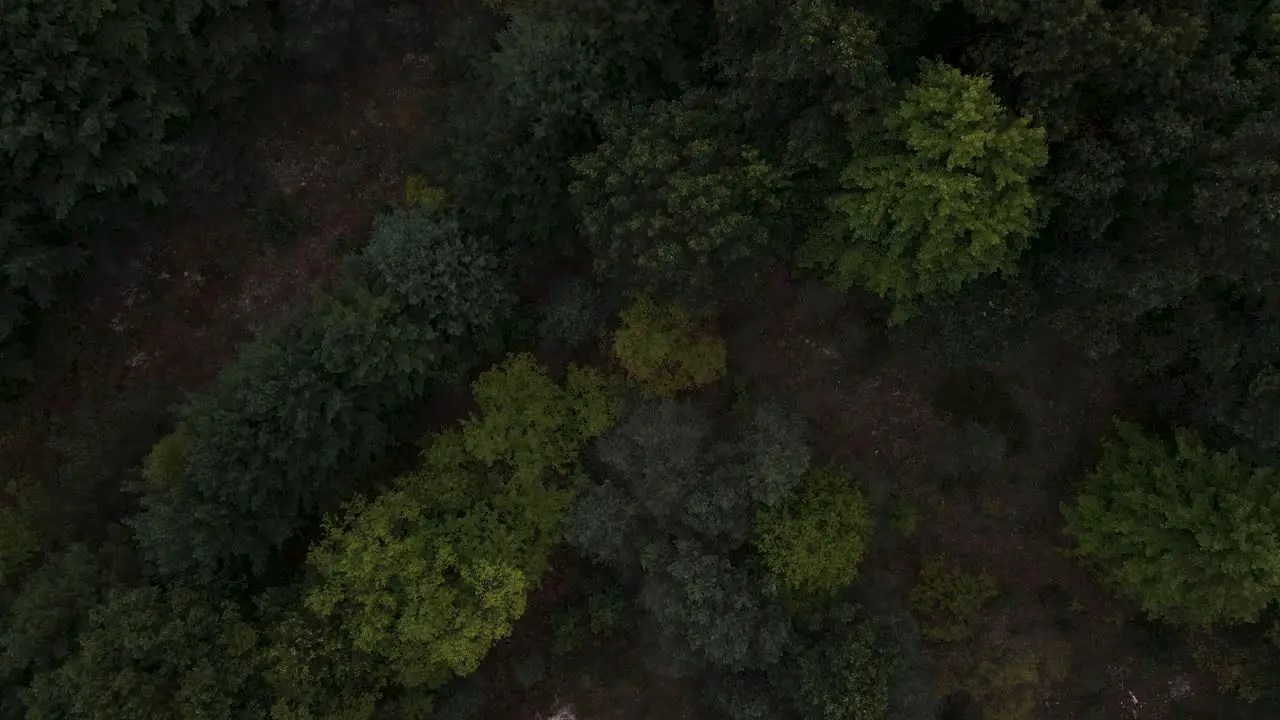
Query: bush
1189,533
574,314
949,601
949,151
570,630
663,350
164,463
814,543
289,425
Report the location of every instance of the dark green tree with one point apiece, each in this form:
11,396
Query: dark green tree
674,204
151,654
93,100
518,118
288,426
1189,533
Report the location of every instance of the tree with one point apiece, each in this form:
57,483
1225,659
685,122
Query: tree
841,667
674,204
95,98
814,543
943,197
154,654
664,351
290,424
1187,532
709,610
517,119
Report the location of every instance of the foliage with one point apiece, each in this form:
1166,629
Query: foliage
573,315
418,191
279,221
18,542
943,198
709,610
949,601
50,608
150,653
430,574
814,543
843,668
313,671
664,351
524,111
570,630
1007,680
1188,532
164,463
95,98
673,205
288,425
532,423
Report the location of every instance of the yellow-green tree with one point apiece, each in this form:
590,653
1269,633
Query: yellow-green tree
664,350
814,542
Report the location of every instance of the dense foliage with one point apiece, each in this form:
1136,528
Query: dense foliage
307,405
942,198
1190,533
1018,182
665,349
672,205
814,543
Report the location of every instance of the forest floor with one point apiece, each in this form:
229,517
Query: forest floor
169,310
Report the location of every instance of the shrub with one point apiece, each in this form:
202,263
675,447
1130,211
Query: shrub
663,350
949,601
418,191
1189,533
288,426
574,314
814,543
18,542
570,630
942,199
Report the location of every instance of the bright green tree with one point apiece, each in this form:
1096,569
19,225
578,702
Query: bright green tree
814,542
941,198
430,574
1190,533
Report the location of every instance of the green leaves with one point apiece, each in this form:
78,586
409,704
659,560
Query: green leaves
1189,533
673,204
150,654
943,198
534,424
304,409
663,349
815,541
